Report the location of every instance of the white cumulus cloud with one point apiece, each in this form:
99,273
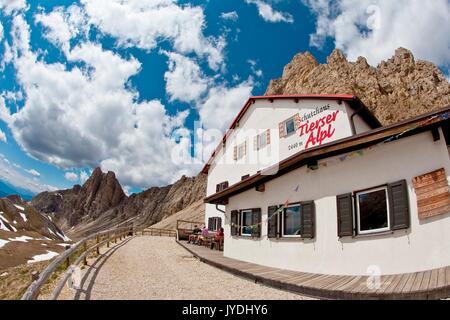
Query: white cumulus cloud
83,176
375,28
222,104
9,173
11,6
144,23
232,15
184,79
3,136
63,24
71,176
33,172
83,117
269,14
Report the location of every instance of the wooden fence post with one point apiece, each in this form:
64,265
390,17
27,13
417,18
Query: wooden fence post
98,249
107,243
85,257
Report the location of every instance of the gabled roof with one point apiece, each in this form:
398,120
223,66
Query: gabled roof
352,100
402,129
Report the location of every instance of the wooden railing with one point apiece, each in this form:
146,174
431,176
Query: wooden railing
159,232
80,252
82,248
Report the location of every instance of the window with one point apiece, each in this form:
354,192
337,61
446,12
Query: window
221,186
214,223
245,177
246,222
262,140
291,221
372,210
289,126
240,151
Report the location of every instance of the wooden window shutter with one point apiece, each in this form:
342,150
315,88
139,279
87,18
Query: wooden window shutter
235,153
344,215
255,143
272,222
268,136
398,205
297,121
234,222
308,218
219,223
256,222
281,130
224,185
218,187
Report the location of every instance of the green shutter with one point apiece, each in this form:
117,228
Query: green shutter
398,205
344,215
256,222
307,221
272,222
234,222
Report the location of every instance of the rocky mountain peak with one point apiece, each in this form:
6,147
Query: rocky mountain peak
336,57
398,88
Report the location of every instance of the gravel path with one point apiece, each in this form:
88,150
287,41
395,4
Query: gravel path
148,267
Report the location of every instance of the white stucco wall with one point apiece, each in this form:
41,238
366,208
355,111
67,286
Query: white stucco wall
425,245
263,115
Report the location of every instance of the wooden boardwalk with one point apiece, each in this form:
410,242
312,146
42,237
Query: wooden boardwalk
431,284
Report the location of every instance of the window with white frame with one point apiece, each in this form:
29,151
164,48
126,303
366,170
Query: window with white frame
290,221
261,140
372,209
246,222
289,126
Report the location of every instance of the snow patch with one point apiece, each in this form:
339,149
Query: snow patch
21,239
63,244
42,257
19,207
24,217
3,224
3,242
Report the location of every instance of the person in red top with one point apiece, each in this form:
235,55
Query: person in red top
218,239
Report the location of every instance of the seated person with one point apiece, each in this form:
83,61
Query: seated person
204,235
193,237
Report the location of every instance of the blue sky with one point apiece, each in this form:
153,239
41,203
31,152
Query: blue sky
131,85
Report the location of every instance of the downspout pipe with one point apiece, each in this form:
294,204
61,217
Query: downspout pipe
218,209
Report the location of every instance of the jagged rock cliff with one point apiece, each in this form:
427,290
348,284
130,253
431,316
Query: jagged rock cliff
70,207
396,89
101,203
